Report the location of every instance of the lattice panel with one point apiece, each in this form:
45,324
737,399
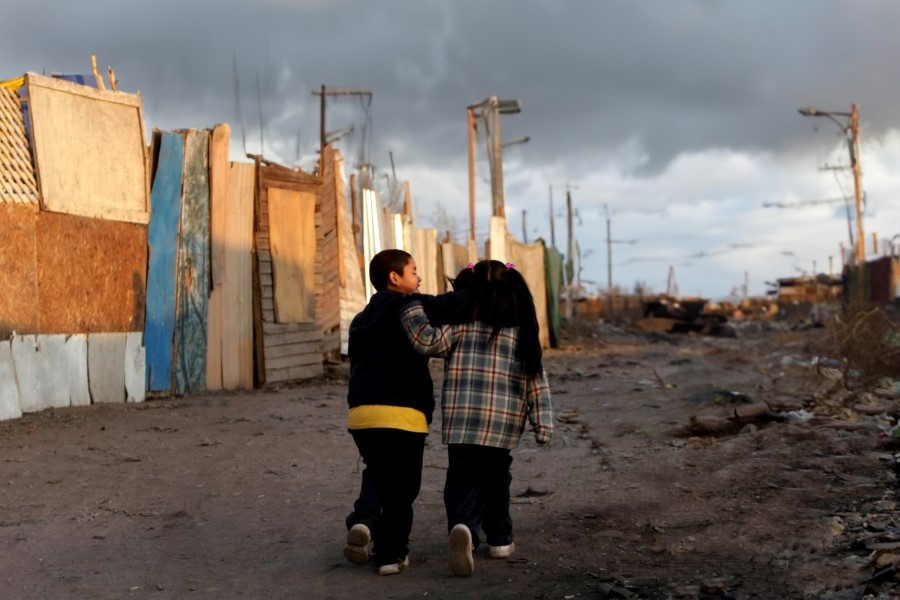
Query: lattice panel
17,181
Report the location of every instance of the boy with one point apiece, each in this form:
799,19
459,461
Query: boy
391,401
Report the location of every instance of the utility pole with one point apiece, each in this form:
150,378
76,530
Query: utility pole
524,228
608,254
857,188
490,109
851,130
470,129
552,225
570,252
325,92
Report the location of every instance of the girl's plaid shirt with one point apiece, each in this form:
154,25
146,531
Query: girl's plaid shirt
486,397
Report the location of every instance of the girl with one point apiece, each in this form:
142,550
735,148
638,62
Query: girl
494,383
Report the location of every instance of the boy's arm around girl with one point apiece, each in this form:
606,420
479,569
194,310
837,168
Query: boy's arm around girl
441,342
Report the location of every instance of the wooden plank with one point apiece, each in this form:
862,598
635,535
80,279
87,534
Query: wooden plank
237,325
192,295
293,247
218,199
76,368
106,367
294,373
135,367
293,360
426,247
79,133
219,170
163,240
275,328
10,407
214,343
294,354
291,338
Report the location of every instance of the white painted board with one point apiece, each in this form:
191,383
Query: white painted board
135,364
106,367
9,389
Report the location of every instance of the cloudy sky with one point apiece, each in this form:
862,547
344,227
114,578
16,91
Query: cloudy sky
675,121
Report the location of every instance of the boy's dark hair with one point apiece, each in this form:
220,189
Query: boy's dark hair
386,262
504,300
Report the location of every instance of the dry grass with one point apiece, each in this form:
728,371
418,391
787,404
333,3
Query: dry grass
868,341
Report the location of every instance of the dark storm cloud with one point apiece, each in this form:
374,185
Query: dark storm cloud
590,75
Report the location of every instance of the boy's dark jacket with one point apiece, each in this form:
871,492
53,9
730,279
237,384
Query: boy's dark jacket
384,367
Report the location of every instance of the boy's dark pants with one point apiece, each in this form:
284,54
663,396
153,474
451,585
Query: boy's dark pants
476,492
390,484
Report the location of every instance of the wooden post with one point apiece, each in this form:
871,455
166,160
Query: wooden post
407,200
470,128
854,163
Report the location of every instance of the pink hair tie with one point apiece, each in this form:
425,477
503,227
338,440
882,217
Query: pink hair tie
470,267
510,266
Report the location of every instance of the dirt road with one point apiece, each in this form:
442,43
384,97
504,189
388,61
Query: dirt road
647,492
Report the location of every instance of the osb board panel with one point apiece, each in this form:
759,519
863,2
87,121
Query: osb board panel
17,181
89,149
19,307
529,260
91,274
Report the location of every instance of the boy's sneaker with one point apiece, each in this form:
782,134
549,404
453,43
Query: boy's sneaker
357,549
502,551
394,568
461,561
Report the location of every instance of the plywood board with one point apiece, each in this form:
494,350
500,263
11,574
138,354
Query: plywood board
293,246
135,367
426,259
455,259
104,263
229,357
529,260
89,149
9,388
106,367
237,314
76,369
163,240
192,295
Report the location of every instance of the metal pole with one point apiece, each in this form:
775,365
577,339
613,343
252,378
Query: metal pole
524,228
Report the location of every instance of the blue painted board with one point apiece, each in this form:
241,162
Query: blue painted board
162,237
192,303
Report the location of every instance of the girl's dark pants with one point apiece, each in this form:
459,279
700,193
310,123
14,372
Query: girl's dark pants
390,484
476,492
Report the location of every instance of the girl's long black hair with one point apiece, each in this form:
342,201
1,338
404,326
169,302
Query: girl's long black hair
502,299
